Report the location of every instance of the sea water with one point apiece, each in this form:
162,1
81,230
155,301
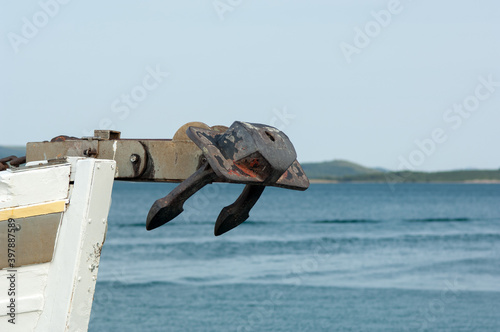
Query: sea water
337,257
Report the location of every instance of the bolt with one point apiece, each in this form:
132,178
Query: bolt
134,158
90,152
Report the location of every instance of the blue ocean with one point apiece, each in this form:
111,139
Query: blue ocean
337,257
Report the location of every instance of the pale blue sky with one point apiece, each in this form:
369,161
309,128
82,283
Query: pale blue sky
264,62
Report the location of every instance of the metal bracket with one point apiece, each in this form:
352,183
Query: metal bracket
151,160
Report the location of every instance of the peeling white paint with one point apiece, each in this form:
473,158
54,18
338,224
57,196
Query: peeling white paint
57,296
17,187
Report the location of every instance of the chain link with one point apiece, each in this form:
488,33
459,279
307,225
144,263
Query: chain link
11,161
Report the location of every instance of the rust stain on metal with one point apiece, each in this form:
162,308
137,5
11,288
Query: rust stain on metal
63,138
244,171
13,161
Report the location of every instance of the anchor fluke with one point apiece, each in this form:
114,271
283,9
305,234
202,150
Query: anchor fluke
236,213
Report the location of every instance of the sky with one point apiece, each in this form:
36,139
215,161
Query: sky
394,84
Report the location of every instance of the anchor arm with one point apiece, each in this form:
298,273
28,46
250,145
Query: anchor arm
170,206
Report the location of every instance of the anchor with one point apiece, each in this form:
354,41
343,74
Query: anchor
253,154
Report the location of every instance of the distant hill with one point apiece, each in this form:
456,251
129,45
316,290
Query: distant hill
335,169
407,176
346,171
6,151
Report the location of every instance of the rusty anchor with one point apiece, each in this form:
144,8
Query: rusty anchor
253,154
